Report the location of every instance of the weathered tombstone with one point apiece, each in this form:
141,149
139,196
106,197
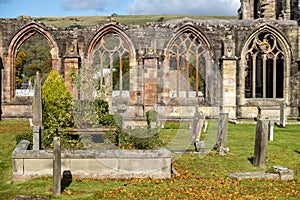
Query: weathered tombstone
56,166
37,102
221,143
271,130
282,114
37,135
197,127
260,147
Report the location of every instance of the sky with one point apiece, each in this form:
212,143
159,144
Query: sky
39,8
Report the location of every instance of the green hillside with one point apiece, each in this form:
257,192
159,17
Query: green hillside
87,21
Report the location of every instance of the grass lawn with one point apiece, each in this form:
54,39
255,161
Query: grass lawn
200,177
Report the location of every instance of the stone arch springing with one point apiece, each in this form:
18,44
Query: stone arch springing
190,58
265,65
110,55
17,41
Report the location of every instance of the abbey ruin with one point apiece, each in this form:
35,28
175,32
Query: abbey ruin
173,66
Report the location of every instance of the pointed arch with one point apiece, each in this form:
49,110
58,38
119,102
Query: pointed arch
265,65
110,55
190,58
18,40
111,28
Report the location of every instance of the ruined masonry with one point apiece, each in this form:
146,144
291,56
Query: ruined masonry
229,66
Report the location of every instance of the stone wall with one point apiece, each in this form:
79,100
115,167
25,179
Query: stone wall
224,40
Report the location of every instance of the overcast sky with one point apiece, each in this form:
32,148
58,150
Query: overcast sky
14,8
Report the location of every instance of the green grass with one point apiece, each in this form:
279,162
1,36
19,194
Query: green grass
200,177
88,21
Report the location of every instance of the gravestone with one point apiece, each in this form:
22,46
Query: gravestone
282,114
221,143
56,167
260,147
197,126
37,102
271,130
37,137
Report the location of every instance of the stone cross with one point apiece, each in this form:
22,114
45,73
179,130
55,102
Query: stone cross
37,102
260,147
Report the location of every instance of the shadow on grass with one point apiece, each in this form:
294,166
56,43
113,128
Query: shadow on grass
66,180
297,151
251,160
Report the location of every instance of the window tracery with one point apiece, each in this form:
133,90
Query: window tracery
187,57
264,68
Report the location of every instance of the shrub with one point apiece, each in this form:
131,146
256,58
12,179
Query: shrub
56,105
152,116
27,135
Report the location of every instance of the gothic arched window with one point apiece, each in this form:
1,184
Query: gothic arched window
111,62
264,68
187,58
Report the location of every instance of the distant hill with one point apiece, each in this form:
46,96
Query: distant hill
87,21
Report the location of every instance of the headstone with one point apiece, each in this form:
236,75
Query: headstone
271,130
200,146
221,143
197,126
260,147
56,167
37,102
282,114
37,137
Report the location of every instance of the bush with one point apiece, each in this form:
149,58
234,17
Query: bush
139,139
27,135
56,105
152,116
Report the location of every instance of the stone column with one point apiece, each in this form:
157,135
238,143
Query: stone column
260,147
56,167
229,92
71,65
37,102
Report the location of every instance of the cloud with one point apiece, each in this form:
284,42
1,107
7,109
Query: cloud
81,5
185,7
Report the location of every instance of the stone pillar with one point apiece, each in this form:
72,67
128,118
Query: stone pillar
221,142
282,114
229,86
71,65
37,102
56,167
260,147
150,83
37,137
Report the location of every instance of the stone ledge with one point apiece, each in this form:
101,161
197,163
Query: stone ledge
279,173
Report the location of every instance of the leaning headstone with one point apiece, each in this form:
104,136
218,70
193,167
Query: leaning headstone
221,143
260,147
282,114
37,102
271,130
37,135
56,167
197,126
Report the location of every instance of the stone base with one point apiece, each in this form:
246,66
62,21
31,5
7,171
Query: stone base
278,173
